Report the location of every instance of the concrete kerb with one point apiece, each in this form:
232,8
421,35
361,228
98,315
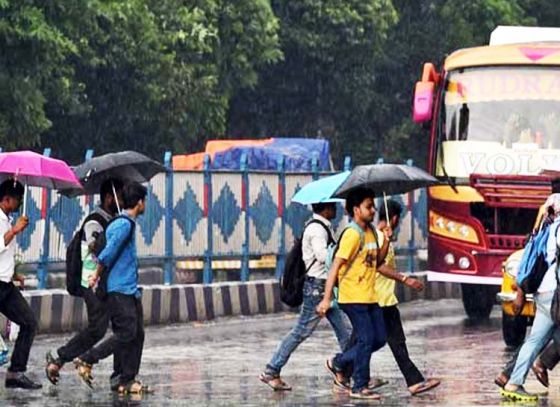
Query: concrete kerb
57,311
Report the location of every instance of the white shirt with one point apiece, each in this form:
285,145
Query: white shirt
7,253
315,247
548,282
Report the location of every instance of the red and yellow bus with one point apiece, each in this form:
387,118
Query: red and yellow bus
494,115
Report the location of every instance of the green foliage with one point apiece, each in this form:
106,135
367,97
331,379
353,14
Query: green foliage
152,75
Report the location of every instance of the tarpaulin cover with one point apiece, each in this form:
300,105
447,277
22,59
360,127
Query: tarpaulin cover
261,154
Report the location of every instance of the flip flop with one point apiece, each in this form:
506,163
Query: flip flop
365,394
425,386
267,378
330,367
53,375
377,383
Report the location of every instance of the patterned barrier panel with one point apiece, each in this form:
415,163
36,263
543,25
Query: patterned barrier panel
29,243
150,233
190,225
228,218
229,210
66,217
296,214
264,225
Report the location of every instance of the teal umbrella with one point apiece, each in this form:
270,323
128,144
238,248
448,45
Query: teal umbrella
321,190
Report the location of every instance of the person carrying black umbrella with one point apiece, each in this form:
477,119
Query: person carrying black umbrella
12,303
119,263
355,267
97,311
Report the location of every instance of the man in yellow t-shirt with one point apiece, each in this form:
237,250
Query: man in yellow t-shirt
354,267
386,279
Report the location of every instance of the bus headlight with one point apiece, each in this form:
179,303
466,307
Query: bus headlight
442,226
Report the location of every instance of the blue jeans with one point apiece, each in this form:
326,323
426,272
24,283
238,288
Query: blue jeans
369,330
541,332
313,290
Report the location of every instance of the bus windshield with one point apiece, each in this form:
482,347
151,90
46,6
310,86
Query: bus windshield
500,121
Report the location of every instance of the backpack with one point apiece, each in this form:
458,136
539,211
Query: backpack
533,265
101,290
74,256
293,277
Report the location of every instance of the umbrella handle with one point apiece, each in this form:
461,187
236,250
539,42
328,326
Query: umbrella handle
24,200
116,199
386,207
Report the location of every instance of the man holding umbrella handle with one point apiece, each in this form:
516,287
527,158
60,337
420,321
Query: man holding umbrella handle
12,303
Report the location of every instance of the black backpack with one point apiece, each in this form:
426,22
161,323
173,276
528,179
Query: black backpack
101,290
293,277
74,256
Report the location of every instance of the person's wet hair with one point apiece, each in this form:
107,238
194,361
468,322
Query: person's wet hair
394,208
321,206
132,193
12,189
107,187
355,198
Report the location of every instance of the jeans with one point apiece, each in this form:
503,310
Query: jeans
17,310
128,326
397,342
369,331
313,290
541,332
98,322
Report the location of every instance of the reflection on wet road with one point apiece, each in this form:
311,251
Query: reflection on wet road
218,364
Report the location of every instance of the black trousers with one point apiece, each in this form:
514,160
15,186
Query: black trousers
397,342
98,322
127,321
17,310
550,356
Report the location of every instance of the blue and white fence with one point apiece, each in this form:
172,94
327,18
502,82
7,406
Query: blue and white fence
206,215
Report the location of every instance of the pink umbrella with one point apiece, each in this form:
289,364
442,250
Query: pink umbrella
37,170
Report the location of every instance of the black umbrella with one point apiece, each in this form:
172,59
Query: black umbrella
127,166
385,179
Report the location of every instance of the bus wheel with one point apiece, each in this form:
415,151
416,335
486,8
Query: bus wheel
514,329
478,299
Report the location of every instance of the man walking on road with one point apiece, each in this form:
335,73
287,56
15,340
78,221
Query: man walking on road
354,268
12,303
97,311
385,287
119,260
317,235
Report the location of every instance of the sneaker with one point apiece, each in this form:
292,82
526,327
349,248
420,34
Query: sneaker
520,394
21,381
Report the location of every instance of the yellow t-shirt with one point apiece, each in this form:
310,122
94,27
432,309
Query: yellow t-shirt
385,287
357,284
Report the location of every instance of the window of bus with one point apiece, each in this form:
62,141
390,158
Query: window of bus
499,120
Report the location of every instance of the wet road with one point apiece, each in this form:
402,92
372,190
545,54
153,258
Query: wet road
218,364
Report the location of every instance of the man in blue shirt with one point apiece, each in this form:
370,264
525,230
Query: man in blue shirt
120,260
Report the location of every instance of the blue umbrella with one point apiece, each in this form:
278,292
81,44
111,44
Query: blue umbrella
321,190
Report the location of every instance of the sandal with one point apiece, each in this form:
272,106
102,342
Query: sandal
84,371
365,394
134,387
376,383
52,370
540,372
424,386
501,380
280,385
329,364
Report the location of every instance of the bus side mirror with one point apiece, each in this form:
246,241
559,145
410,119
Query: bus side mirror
423,102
